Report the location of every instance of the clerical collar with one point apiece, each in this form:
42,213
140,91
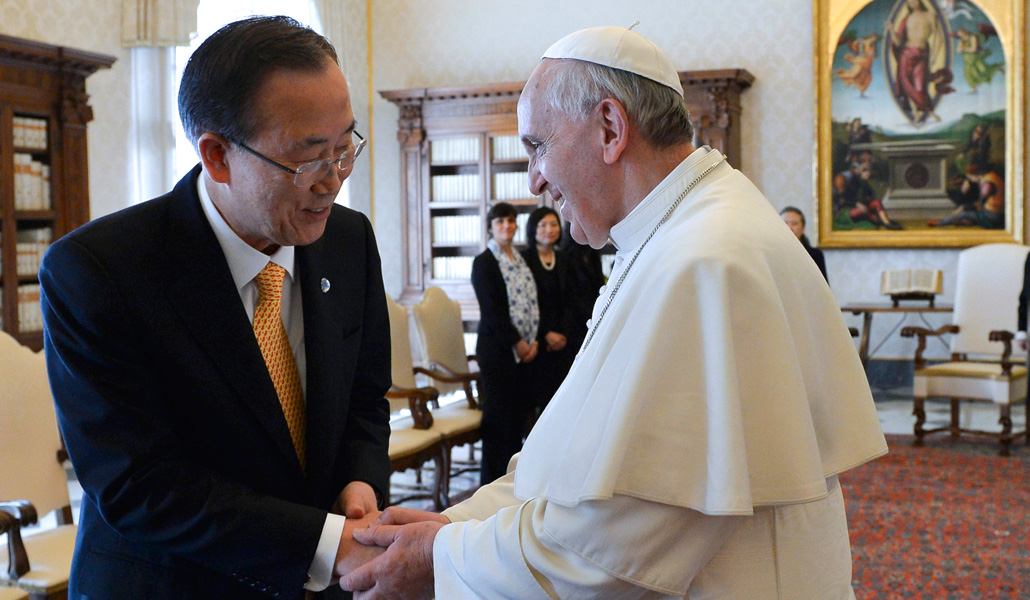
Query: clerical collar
244,261
630,232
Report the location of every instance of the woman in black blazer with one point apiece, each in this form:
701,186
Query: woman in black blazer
795,219
550,269
509,317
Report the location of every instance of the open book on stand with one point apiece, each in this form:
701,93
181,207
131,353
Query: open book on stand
911,284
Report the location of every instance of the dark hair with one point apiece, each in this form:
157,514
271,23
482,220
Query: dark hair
794,210
220,83
500,210
797,211
534,219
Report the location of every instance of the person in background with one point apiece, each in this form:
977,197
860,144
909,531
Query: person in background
550,269
795,219
509,318
694,449
219,355
585,278
1024,302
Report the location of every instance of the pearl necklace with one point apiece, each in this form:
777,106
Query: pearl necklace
618,284
545,265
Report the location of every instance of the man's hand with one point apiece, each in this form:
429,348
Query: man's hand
404,571
356,500
350,553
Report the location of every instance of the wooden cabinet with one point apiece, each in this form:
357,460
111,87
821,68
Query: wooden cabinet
460,154
44,187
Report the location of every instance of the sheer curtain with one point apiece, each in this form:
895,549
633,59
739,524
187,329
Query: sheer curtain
344,22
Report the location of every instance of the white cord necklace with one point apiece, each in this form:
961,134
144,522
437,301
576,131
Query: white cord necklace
622,277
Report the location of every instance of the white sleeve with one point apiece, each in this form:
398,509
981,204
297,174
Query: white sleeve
320,574
623,548
488,499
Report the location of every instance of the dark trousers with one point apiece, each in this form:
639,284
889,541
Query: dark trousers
507,403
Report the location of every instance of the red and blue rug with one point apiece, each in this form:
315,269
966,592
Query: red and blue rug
947,521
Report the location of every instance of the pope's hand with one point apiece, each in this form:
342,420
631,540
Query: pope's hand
404,571
396,515
356,500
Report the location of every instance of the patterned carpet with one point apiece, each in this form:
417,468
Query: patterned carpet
948,521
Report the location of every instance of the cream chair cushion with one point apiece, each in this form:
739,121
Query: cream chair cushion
50,560
405,440
13,594
971,380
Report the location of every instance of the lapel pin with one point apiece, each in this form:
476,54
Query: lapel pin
325,285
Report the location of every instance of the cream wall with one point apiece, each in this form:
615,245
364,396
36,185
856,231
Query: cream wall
425,43
95,26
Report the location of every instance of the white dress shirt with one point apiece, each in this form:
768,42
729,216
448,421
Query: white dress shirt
245,263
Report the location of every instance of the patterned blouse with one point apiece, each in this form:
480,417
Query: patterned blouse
522,301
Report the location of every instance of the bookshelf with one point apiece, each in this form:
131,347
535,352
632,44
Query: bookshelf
460,154
44,190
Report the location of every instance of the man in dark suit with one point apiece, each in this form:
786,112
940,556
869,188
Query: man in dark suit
213,460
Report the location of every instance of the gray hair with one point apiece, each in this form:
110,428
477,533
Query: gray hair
658,111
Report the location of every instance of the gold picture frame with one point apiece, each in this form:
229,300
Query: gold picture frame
920,112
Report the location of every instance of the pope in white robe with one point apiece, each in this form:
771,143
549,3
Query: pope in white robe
693,450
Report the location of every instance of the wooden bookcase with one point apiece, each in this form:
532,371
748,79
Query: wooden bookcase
460,154
44,186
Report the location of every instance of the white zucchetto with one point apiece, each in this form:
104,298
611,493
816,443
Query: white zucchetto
618,48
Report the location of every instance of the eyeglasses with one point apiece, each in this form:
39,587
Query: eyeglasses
310,173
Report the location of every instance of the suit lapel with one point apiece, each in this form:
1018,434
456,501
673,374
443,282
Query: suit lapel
205,296
322,341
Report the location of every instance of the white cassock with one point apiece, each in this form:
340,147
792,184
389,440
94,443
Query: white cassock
693,449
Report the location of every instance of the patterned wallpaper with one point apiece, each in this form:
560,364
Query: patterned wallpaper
109,136
429,43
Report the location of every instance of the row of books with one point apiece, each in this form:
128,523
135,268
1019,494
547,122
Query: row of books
508,147
511,186
32,244
455,188
30,133
458,230
452,267
30,315
454,150
31,183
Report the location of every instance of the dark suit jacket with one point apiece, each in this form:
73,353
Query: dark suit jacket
192,486
1024,295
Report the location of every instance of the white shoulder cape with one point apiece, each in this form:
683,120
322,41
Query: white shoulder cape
722,378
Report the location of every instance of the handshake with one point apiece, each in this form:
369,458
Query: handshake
388,554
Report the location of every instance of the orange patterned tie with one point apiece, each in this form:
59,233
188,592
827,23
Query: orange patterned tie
275,348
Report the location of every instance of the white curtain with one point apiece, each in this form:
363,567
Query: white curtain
345,23
158,22
152,29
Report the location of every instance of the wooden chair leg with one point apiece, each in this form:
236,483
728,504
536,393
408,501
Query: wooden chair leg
954,419
444,478
920,415
1006,429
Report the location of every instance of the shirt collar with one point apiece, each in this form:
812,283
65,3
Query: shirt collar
631,232
244,261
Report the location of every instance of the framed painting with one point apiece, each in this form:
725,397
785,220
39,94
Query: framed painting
920,115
